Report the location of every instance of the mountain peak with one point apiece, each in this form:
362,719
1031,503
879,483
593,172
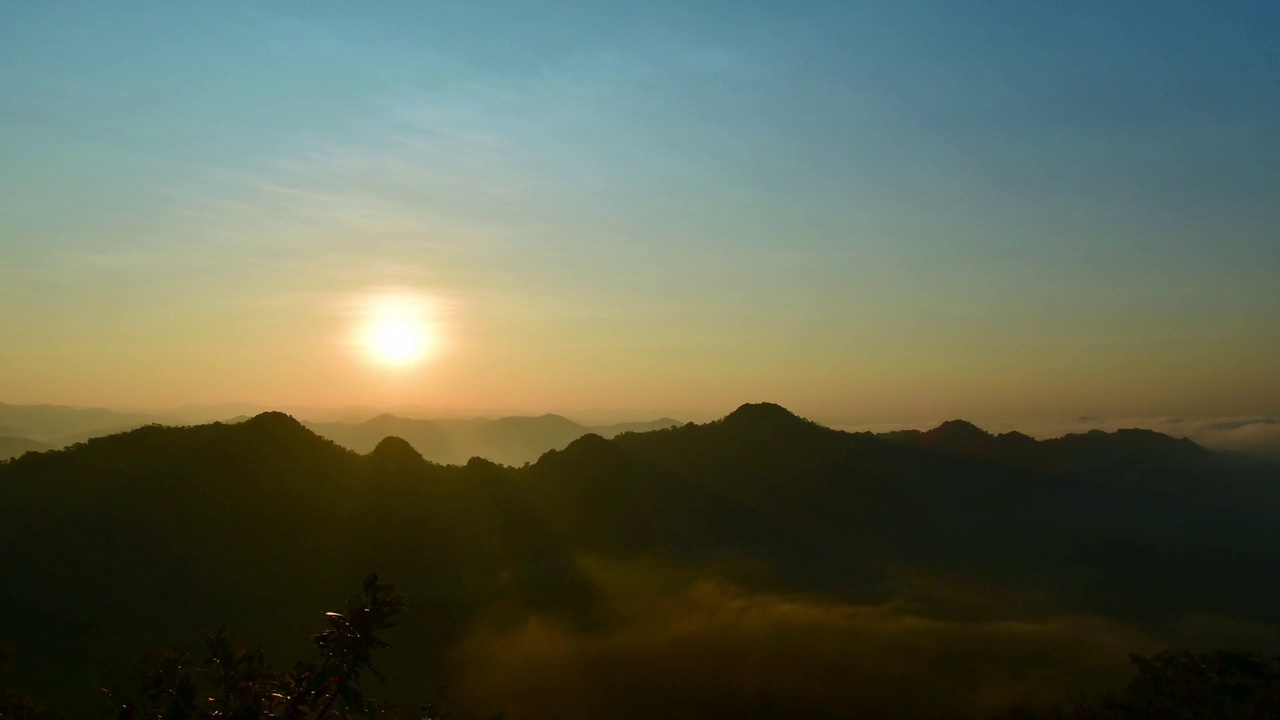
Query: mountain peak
1137,440
590,450
1015,437
591,445
957,430
764,413
273,419
546,421
395,452
396,447
275,427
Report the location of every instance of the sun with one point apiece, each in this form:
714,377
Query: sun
396,342
397,332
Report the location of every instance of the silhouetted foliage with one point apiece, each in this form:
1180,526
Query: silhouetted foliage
1181,685
1207,686
15,704
235,683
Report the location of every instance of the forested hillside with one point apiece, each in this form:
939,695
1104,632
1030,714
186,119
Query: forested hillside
759,561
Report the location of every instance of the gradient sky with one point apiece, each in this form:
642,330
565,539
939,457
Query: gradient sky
863,211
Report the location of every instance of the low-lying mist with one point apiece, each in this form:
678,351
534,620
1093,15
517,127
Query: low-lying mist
684,645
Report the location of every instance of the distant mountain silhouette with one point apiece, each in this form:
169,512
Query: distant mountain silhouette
508,440
764,415
54,420
425,435
513,440
1082,451
11,447
1132,443
128,541
60,425
610,431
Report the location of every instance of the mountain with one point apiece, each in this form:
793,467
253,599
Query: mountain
51,423
609,431
513,440
137,540
11,447
425,435
507,440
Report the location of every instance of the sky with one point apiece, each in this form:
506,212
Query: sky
867,212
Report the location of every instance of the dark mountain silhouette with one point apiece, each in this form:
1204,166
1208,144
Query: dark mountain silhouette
508,440
396,452
764,415
128,542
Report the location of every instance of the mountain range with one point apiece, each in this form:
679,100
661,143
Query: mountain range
601,563
508,440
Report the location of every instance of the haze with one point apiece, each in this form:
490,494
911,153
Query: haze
873,214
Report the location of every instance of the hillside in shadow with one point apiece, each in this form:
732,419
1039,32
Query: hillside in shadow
758,561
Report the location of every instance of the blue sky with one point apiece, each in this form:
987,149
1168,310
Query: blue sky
867,211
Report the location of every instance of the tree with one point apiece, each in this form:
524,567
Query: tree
1181,685
235,683
1212,686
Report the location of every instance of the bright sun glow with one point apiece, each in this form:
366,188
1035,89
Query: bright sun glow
397,332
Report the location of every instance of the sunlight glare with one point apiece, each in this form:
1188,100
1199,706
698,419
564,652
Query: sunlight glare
397,332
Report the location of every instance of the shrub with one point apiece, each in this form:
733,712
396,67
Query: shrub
235,683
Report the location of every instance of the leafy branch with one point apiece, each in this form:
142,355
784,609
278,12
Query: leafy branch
235,683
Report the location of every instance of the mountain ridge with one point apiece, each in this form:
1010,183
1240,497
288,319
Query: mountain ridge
955,435
258,517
